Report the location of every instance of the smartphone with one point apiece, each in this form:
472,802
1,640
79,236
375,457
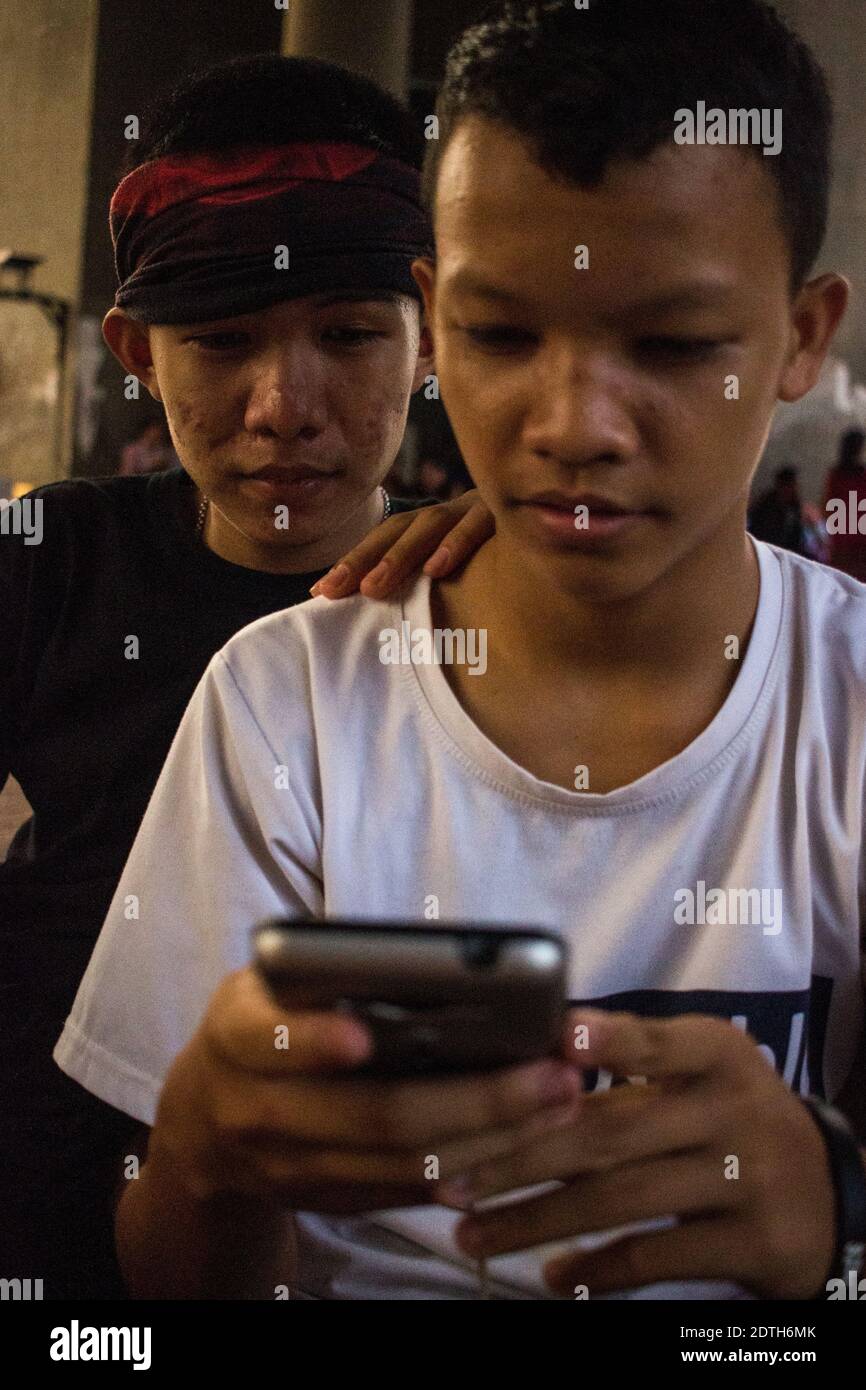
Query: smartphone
438,1000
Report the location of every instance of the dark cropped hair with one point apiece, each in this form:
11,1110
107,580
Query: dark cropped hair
273,99
587,87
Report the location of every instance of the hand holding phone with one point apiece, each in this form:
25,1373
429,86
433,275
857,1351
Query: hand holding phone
300,1126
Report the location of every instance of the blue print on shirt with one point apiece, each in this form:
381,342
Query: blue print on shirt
790,1027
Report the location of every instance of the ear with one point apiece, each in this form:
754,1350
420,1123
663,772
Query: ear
130,343
426,349
424,275
817,312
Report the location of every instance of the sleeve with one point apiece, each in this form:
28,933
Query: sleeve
232,835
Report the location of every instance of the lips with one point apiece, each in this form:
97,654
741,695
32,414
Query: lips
299,487
601,506
584,521
284,473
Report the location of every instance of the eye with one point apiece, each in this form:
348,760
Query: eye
499,337
681,349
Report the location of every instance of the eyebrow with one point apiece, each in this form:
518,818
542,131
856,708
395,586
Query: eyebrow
692,296
470,283
357,297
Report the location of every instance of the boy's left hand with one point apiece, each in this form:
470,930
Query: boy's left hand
712,1107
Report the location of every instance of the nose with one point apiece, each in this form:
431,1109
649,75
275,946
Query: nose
288,395
581,412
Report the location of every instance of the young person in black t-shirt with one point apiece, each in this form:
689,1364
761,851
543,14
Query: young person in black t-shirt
285,363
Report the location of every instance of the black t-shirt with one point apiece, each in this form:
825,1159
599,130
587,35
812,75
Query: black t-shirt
85,727
108,625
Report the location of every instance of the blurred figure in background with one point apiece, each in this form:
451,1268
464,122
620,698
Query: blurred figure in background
777,515
432,479
150,452
459,480
442,478
815,538
847,544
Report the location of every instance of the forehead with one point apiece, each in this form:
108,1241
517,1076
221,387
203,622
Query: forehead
709,210
288,311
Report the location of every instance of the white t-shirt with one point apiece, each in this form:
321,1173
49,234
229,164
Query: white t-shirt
393,796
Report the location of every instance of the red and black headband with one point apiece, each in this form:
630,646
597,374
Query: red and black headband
196,236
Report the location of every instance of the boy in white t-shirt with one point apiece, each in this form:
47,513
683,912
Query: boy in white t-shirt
651,736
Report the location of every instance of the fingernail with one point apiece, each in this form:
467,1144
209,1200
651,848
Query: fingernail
438,562
457,1190
378,575
334,579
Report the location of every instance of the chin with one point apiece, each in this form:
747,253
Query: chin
607,580
284,541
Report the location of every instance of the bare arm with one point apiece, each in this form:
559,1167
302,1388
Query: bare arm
172,1244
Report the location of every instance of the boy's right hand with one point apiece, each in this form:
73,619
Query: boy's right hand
292,1126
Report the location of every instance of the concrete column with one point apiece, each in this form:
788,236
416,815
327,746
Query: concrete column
373,39
142,51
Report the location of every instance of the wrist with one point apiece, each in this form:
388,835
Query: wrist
847,1163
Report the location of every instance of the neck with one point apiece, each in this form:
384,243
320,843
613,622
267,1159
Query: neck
224,538
680,624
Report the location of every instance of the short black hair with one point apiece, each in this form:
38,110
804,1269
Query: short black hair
269,98
585,88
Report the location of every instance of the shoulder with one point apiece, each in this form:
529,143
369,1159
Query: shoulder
827,612
318,644
88,493
314,671
59,532
85,506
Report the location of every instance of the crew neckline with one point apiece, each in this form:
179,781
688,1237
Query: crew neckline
720,741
